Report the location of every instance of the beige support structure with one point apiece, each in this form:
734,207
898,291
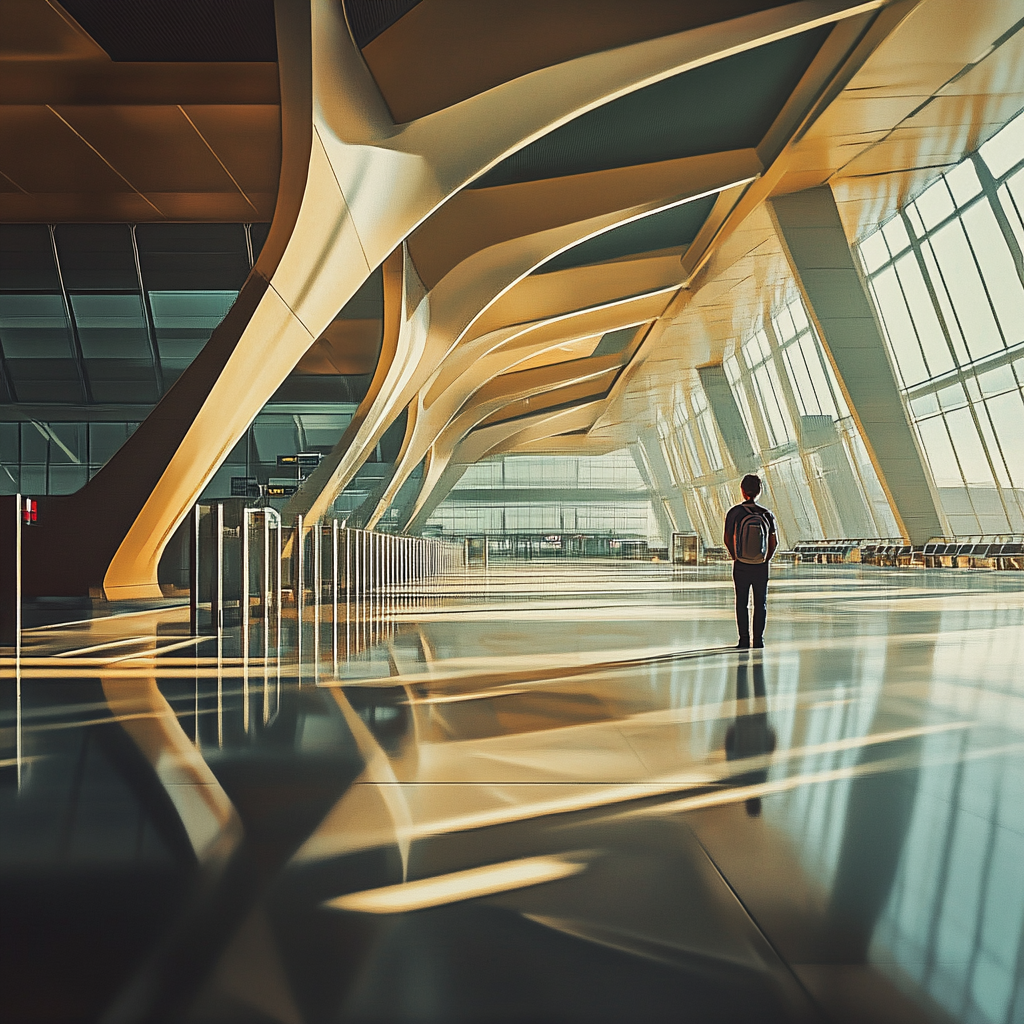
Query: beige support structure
666,496
813,238
455,268
519,364
477,314
497,439
358,178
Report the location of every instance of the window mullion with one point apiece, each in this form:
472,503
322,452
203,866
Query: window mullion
819,490
76,342
991,190
915,246
147,313
5,377
984,285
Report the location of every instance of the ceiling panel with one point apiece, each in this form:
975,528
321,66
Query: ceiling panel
42,154
368,18
37,30
179,30
155,148
579,348
7,185
247,139
668,229
477,218
159,166
540,296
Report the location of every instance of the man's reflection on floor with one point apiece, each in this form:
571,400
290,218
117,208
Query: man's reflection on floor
751,734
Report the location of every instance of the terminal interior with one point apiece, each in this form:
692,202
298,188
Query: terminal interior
375,379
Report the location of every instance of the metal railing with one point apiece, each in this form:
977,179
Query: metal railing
246,566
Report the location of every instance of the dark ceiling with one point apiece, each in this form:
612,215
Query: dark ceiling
368,18
179,30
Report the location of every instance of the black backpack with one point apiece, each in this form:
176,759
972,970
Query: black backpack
750,540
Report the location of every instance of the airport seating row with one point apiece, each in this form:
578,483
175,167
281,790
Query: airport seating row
884,551
1004,551
1001,551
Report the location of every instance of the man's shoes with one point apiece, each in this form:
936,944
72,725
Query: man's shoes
758,643
744,645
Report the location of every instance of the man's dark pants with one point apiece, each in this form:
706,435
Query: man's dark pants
747,577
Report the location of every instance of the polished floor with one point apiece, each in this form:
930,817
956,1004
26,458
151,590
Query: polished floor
543,792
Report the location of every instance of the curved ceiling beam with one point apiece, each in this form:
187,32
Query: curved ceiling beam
386,168
444,51
503,397
443,416
844,53
496,440
452,311
479,218
370,183
507,405
645,284
363,184
506,396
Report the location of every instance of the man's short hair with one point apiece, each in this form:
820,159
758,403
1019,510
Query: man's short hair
750,485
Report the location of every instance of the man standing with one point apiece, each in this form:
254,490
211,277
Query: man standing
751,539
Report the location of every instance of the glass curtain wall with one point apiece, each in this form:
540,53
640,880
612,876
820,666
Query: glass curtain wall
102,318
947,277
806,446
700,465
536,494
58,457
112,313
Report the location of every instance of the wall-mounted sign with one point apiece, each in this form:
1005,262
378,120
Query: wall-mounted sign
245,487
281,490
304,460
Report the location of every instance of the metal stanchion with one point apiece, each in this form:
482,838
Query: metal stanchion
243,613
243,591
299,574
391,572
193,569
358,544
349,577
265,587
217,590
316,538
334,594
279,586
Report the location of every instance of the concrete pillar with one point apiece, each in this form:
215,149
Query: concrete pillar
812,236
